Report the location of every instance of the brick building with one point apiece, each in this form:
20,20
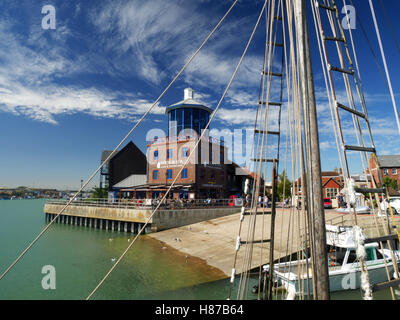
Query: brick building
389,167
208,174
204,176
332,184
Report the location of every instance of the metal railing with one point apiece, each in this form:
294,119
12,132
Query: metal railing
168,204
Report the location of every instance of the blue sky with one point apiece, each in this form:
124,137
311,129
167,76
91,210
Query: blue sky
66,94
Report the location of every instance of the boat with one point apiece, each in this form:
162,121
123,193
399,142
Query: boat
359,210
344,269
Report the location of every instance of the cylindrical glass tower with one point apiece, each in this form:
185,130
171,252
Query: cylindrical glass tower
187,114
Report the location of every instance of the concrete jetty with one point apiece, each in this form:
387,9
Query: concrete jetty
214,241
125,218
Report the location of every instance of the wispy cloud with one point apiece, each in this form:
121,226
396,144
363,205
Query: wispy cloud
45,105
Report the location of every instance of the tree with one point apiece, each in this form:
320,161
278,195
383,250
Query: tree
284,182
99,193
390,183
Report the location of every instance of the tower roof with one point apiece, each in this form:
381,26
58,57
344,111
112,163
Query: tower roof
188,102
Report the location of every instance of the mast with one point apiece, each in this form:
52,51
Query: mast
315,205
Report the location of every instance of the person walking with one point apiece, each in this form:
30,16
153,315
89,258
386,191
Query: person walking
266,202
248,199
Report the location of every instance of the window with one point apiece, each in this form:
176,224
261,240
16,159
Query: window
340,254
379,256
370,254
202,173
169,174
155,174
331,193
385,172
187,117
185,152
155,155
184,174
179,120
172,123
394,171
169,154
352,257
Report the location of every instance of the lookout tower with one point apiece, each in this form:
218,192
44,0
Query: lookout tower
187,114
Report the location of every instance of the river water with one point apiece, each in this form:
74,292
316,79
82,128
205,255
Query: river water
82,256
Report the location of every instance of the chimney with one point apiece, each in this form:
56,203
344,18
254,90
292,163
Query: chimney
188,94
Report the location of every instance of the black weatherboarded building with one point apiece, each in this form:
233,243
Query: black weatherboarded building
126,162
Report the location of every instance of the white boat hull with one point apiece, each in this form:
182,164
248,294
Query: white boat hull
339,280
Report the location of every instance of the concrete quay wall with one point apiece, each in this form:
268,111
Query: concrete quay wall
162,219
97,212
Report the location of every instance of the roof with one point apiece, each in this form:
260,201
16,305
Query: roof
330,174
390,161
343,236
325,181
188,102
131,181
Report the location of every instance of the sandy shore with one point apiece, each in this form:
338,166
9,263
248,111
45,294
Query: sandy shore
214,241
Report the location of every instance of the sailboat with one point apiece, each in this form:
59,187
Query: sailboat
344,267
329,258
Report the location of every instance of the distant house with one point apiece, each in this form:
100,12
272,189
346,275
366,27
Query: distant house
332,183
389,167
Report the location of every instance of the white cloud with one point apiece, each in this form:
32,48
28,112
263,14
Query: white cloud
28,83
236,116
44,103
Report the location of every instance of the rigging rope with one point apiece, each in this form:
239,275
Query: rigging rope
119,145
385,65
188,158
390,25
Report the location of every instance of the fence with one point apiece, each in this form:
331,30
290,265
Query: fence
168,204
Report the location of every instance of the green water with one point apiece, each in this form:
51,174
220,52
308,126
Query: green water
82,256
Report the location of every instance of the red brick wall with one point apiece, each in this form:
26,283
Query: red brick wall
330,184
389,174
163,164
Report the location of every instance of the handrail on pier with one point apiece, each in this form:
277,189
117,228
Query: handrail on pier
168,204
